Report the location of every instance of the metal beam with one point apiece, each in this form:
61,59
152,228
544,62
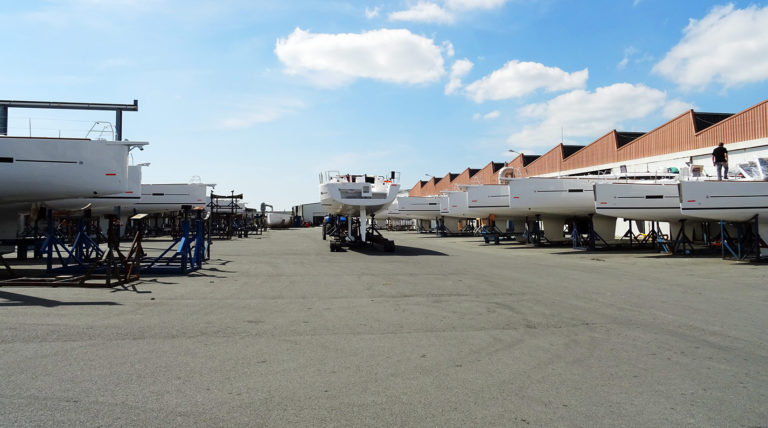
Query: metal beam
69,106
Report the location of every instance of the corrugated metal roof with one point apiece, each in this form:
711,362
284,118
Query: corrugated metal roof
688,131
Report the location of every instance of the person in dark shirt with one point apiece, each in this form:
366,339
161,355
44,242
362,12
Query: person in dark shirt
720,160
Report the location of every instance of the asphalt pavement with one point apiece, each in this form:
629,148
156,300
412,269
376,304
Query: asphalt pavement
278,331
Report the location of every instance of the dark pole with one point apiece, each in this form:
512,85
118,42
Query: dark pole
119,125
3,120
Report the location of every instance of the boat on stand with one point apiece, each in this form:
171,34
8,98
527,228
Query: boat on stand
568,202
491,202
349,199
454,209
423,209
34,170
737,202
660,203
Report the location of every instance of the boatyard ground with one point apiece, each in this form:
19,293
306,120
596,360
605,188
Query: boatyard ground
278,331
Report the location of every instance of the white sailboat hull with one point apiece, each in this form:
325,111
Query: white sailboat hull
729,200
639,201
40,169
106,204
455,204
350,199
484,200
159,198
557,196
417,207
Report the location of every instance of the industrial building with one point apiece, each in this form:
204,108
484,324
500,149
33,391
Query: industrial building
690,136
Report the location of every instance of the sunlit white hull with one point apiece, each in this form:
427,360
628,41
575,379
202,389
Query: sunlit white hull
41,169
416,207
349,199
559,196
107,204
729,200
487,199
455,204
653,201
158,198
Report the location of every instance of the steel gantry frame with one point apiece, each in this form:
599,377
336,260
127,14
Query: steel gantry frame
117,108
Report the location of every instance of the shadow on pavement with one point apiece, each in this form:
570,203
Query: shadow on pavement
15,299
400,251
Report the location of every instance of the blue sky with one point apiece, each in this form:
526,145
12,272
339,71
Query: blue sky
261,96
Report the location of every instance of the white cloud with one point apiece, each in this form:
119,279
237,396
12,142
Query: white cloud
628,53
474,4
517,78
459,69
727,46
429,11
448,49
372,13
423,12
488,116
675,108
397,56
634,56
269,111
583,114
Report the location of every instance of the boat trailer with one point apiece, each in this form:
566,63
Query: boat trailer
345,231
492,233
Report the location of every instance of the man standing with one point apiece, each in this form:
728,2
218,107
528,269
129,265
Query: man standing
720,160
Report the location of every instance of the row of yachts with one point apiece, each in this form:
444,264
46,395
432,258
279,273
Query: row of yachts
78,174
554,200
673,199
